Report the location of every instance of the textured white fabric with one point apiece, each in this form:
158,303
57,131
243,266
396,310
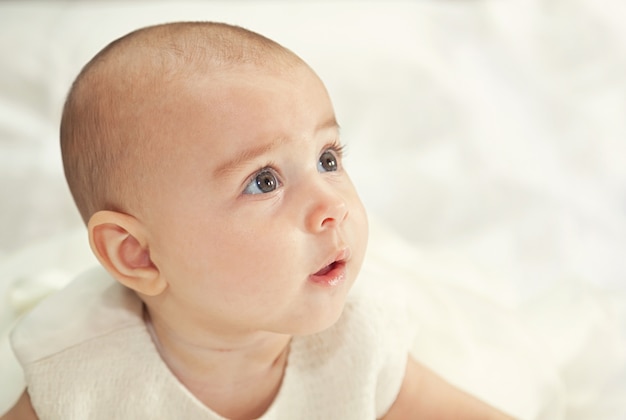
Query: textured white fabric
86,353
534,364
467,338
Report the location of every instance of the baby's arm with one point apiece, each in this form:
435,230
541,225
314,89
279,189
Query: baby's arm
22,410
424,395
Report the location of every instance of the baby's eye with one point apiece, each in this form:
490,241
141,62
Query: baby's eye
328,162
265,181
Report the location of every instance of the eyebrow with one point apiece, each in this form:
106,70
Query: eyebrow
246,155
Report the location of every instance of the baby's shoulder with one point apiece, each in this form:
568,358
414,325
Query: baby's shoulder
91,306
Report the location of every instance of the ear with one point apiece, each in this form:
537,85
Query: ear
120,244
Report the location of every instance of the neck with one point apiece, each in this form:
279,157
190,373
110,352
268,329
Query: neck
224,372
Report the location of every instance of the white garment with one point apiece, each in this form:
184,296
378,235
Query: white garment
86,353
528,366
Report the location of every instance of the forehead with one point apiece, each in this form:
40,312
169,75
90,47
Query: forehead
250,104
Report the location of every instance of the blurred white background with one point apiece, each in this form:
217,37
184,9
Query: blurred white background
492,132
492,128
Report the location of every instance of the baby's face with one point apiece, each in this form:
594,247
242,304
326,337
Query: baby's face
253,220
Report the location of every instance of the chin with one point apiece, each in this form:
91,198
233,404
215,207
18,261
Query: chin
324,319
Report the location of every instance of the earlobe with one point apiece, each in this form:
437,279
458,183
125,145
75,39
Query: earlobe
120,245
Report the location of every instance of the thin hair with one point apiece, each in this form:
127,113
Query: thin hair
106,132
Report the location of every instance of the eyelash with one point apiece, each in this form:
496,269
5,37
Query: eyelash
338,148
335,147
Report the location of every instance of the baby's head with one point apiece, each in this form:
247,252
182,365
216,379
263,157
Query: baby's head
118,107
205,160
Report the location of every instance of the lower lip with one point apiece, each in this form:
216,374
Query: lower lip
332,278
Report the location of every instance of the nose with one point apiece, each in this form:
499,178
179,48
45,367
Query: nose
328,209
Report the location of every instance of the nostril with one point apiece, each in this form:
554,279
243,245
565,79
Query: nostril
335,217
327,210
329,221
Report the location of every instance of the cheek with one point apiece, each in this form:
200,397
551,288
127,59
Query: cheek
358,213
230,252
358,228
364,225
361,226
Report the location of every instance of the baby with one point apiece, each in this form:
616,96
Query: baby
205,160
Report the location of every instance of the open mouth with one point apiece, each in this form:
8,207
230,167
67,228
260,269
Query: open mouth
334,272
331,275
330,267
